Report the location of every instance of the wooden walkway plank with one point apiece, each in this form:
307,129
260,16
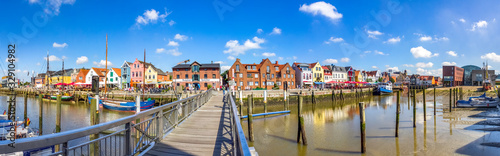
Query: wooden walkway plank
206,132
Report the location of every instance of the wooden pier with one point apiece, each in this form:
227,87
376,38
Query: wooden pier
206,132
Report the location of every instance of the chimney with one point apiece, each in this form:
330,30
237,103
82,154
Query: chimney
276,62
212,62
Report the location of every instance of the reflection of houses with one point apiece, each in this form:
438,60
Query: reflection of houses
304,75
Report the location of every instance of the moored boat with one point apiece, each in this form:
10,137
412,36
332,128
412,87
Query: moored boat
383,88
479,101
122,105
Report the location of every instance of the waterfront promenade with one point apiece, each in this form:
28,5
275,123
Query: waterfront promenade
206,132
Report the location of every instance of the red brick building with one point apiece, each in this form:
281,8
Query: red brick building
453,76
82,74
262,75
196,76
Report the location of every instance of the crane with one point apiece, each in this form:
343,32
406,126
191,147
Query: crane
185,61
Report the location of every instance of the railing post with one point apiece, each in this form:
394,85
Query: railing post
64,148
159,125
128,141
176,113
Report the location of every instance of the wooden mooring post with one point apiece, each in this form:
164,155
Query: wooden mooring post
301,132
425,110
397,114
58,118
450,98
250,118
40,117
414,108
362,126
94,120
434,100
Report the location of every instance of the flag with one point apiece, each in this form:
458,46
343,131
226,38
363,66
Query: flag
4,112
28,122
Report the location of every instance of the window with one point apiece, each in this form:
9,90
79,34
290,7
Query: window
272,76
80,78
140,73
111,74
256,83
177,70
153,77
267,69
279,83
292,76
292,83
205,76
241,75
256,76
249,75
288,75
250,83
178,77
213,76
254,67
196,68
186,70
241,83
205,85
150,70
187,77
237,68
268,77
196,77
276,68
111,80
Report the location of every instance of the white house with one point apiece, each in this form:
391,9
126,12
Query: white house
339,74
101,72
303,75
114,77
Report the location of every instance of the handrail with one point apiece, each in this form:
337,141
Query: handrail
190,105
239,140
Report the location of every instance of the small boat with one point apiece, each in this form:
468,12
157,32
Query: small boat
26,132
122,105
6,123
63,98
479,101
383,88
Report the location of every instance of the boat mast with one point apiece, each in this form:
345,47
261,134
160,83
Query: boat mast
143,74
106,70
62,76
47,74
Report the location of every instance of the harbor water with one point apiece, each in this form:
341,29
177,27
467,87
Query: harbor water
334,129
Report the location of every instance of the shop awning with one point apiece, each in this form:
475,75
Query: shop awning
318,83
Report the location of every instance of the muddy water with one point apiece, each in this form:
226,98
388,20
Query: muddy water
333,129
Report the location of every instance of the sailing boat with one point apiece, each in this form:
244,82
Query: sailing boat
123,105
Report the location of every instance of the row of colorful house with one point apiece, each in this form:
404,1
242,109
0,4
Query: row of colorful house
268,75
132,74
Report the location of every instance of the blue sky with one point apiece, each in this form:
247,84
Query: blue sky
419,36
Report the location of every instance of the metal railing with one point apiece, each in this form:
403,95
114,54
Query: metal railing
129,135
240,144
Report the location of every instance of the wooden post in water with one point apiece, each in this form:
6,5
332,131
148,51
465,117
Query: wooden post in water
284,100
241,103
25,110
434,100
250,118
362,126
397,114
301,133
58,115
425,109
450,99
312,97
40,118
414,108
94,148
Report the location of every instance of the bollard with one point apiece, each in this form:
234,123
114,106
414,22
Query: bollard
40,118
301,133
425,112
241,103
362,126
434,100
265,101
397,114
25,110
450,99
250,117
414,108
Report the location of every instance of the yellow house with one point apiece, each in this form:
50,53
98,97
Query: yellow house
317,72
151,75
58,77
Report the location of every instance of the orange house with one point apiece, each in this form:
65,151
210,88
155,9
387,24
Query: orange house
80,77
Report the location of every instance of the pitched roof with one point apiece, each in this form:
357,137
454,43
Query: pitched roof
99,71
118,71
84,71
208,65
371,73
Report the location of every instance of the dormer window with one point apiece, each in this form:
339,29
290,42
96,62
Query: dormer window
196,68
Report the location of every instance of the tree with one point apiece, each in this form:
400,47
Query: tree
209,86
392,80
380,79
369,80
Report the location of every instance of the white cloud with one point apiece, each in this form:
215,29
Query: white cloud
334,40
235,48
260,31
394,69
434,72
171,23
374,67
64,57
160,50
255,54
491,56
57,45
441,39
408,65
38,64
53,58
479,24
425,38
345,59
151,16
452,53
82,60
173,43
422,52
224,68
424,65
294,57
174,52
322,8
373,34
219,62
231,58
52,6
379,52
276,31
448,63
393,40
180,37
280,58
462,20
102,63
267,54
330,61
